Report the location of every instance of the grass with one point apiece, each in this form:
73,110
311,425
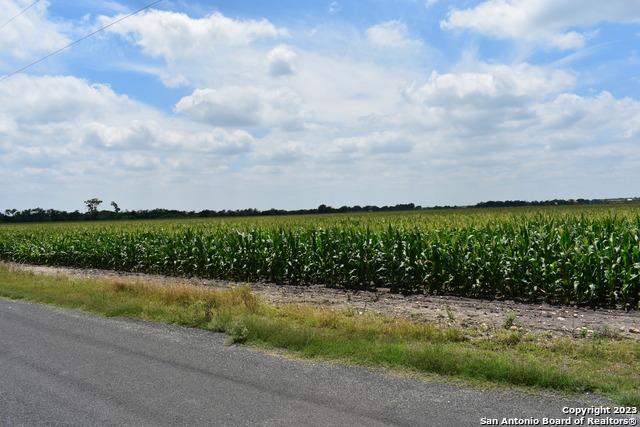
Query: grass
598,363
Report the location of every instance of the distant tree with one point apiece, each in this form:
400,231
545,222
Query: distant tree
325,209
115,207
92,205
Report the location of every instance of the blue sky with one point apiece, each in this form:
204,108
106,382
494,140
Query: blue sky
288,104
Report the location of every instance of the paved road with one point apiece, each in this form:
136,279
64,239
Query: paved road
62,367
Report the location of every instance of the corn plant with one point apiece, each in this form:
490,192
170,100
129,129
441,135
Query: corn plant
585,257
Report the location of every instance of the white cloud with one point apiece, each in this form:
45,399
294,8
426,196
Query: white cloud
149,135
7,123
57,98
63,127
345,90
38,156
278,150
176,35
281,61
572,121
135,135
371,112
331,84
30,34
391,34
217,141
388,142
492,84
244,107
479,103
140,162
544,22
212,51
510,124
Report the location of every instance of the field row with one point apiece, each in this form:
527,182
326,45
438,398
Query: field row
586,261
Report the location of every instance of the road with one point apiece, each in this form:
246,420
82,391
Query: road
63,367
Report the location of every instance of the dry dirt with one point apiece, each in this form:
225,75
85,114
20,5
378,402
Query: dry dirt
444,310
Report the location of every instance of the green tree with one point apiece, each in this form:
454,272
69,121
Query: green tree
92,205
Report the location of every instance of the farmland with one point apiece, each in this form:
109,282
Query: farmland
586,255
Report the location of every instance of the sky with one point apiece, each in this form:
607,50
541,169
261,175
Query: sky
290,104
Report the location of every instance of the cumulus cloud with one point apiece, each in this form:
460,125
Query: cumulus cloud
281,61
149,135
571,121
240,107
176,35
31,33
63,127
136,135
491,84
211,51
481,102
391,34
57,98
502,120
337,106
545,22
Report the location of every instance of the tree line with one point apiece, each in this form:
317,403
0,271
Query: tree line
93,213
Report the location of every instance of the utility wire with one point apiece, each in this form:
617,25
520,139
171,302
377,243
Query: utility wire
21,12
77,41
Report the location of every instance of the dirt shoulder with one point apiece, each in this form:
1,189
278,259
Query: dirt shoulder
444,310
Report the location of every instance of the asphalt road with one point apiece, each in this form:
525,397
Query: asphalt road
63,367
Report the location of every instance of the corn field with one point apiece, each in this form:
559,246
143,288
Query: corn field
578,255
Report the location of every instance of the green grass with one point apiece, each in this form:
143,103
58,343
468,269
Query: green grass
507,358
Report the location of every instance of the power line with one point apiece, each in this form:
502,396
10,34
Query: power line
77,41
21,12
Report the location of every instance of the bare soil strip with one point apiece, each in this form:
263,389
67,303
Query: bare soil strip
483,315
